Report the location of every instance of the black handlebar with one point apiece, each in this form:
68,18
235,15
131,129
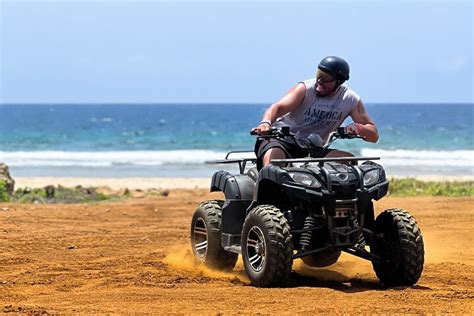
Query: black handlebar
343,134
285,131
275,132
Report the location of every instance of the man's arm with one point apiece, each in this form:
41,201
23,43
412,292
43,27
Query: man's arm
288,103
364,125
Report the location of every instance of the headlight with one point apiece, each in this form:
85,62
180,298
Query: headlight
304,178
371,177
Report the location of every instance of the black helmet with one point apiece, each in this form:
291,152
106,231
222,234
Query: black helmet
336,67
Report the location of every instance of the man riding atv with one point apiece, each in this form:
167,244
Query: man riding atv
307,207
315,106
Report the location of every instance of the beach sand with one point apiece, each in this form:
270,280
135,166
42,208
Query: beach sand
115,183
134,257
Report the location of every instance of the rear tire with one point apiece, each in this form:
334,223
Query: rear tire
401,249
267,248
206,237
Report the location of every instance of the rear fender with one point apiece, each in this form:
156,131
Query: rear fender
235,187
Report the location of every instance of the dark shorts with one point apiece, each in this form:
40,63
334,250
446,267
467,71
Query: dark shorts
292,148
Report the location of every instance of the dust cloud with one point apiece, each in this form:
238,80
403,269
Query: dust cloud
181,258
347,269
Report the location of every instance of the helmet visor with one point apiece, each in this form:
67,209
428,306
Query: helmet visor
323,76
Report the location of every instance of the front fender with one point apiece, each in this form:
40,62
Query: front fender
270,188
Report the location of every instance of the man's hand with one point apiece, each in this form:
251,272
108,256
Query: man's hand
288,103
354,128
264,128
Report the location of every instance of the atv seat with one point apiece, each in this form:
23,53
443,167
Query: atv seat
252,173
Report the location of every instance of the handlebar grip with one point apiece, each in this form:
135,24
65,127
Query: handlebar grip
342,133
274,132
341,130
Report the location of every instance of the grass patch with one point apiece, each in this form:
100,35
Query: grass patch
413,187
60,194
4,196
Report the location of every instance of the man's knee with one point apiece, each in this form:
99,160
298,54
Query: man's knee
339,153
273,153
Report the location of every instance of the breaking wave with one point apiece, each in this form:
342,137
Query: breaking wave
400,157
397,157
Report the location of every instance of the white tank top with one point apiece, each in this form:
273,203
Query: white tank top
319,115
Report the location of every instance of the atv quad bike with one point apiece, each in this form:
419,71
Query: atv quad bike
312,208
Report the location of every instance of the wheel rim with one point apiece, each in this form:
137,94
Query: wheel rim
256,248
200,238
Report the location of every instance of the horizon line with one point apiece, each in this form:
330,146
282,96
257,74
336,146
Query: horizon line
216,103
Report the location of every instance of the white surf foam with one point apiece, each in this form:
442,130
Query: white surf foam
422,158
108,158
401,157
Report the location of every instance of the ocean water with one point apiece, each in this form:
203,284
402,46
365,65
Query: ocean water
174,140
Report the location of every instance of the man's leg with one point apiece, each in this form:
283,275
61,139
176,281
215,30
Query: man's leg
338,153
273,153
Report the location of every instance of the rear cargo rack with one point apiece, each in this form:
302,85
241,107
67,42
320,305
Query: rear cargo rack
241,161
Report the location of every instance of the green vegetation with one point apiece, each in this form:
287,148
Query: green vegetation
413,187
4,197
79,194
60,194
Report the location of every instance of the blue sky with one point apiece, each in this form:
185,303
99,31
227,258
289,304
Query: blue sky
231,51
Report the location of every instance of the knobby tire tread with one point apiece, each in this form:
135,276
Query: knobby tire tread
280,254
218,258
411,250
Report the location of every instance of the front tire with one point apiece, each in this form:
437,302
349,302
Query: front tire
401,248
206,237
267,248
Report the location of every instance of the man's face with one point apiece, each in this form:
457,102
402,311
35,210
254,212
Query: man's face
325,83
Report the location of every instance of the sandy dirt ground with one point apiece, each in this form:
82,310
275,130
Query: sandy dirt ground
134,257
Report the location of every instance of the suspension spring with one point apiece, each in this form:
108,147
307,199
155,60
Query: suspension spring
359,238
305,239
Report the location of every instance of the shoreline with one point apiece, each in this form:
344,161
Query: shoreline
144,183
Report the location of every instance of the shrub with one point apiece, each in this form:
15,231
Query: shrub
4,197
413,187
